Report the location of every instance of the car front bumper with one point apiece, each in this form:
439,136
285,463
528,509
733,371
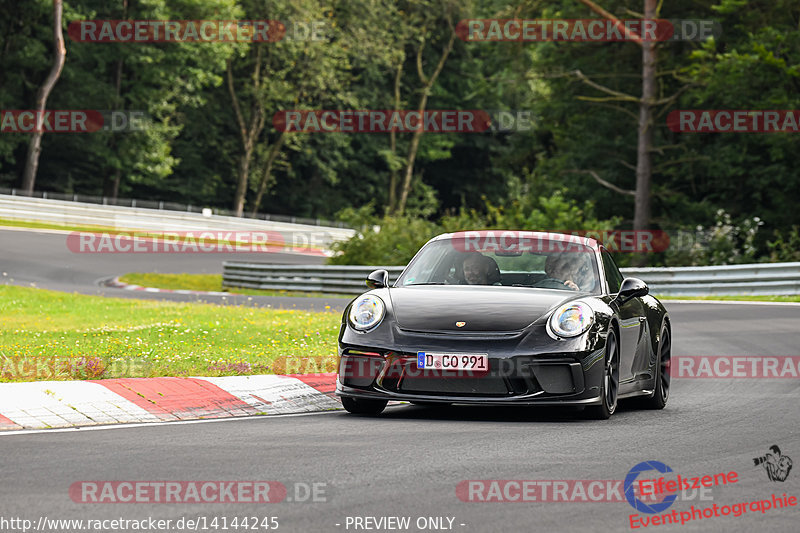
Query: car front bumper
542,379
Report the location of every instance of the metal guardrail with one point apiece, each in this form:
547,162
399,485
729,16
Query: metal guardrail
138,218
754,279
759,279
313,278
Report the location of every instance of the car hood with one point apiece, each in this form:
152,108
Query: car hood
484,308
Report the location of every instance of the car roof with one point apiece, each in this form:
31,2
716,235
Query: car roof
543,235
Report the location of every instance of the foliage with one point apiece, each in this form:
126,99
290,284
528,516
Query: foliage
544,177
724,243
389,240
785,248
393,240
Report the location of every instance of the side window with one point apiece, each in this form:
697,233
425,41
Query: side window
613,275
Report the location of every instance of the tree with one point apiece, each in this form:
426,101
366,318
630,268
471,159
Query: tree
427,84
301,71
59,56
644,145
424,18
250,128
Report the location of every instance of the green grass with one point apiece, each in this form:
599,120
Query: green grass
210,282
49,225
53,335
739,298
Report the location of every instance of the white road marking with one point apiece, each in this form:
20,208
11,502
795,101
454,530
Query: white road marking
728,302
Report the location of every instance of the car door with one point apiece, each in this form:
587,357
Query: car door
631,323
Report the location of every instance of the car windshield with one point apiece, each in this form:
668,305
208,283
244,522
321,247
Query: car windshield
543,263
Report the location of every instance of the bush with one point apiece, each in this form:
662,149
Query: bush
785,250
393,240
724,243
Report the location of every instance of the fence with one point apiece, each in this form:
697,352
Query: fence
755,279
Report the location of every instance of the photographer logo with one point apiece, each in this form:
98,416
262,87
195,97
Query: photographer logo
777,466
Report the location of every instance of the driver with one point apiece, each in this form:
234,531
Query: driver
559,271
581,274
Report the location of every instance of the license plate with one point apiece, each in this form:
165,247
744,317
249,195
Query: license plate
452,361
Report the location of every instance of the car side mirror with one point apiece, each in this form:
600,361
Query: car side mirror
378,279
631,288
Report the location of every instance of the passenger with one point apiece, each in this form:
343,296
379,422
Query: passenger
476,269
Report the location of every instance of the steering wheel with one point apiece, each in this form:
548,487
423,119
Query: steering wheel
552,283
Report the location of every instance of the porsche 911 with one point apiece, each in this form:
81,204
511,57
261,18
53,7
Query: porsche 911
505,318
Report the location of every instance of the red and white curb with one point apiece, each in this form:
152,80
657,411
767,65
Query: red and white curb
58,404
117,284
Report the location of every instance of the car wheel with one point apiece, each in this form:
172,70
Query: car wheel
661,392
360,406
610,384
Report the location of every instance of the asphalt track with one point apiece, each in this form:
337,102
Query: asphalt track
409,461
41,258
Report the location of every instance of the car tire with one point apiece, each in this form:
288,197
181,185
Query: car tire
361,406
661,390
609,388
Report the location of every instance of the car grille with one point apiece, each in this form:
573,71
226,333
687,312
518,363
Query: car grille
460,386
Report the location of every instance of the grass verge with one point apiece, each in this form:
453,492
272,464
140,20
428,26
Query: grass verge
54,335
739,298
49,225
210,282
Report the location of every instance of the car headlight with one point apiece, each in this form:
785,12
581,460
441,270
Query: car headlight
571,319
366,312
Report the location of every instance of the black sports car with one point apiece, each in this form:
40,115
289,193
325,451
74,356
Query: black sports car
505,318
